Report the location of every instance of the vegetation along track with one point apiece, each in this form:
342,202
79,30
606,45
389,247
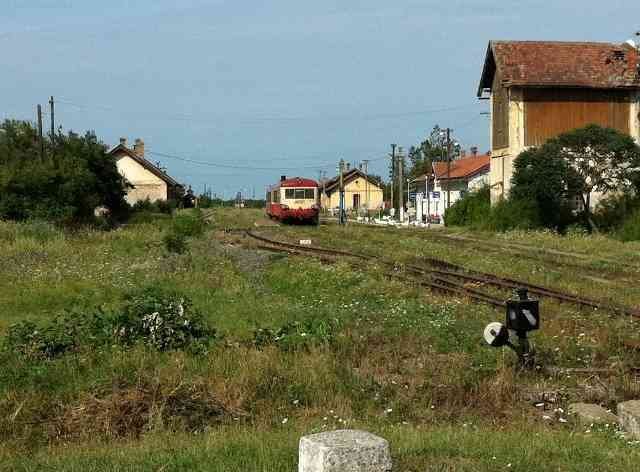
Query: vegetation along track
447,277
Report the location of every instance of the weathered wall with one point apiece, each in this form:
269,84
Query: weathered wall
550,112
146,184
356,187
501,165
634,112
535,116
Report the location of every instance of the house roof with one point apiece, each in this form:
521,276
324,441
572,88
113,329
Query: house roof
348,177
296,182
464,168
561,64
155,170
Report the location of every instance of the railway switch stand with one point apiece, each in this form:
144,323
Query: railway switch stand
523,316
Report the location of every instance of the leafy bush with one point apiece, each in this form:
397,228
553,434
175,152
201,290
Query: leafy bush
184,226
174,242
296,335
190,225
513,214
614,210
159,206
630,230
471,210
159,319
543,183
75,177
66,332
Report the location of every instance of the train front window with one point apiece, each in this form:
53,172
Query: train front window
299,194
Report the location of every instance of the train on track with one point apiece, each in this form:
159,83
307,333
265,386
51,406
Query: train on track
294,200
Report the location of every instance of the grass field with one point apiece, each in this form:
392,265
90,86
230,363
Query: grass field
302,347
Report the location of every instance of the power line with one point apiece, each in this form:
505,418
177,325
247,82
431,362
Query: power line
231,166
257,119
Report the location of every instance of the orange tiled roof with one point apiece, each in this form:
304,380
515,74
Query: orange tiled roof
462,168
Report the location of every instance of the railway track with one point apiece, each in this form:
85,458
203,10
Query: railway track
446,277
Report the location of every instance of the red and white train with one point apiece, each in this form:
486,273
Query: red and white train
294,200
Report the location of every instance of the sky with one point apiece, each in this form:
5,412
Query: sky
233,94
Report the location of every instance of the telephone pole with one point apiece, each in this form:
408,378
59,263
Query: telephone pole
53,126
365,164
448,167
400,191
393,174
40,132
343,216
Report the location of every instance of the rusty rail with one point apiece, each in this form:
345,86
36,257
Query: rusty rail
451,278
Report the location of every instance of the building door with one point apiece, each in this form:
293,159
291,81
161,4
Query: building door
356,201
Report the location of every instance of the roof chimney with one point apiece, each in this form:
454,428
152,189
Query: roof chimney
283,178
123,141
138,147
474,151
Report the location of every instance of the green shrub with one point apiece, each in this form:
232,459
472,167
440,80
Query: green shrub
66,186
175,243
162,319
159,206
189,225
614,210
471,210
64,333
513,214
630,230
184,226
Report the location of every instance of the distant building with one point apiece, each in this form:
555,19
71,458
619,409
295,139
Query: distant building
540,89
147,180
464,175
361,192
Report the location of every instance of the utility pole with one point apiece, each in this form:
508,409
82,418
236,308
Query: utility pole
40,132
393,174
342,218
53,126
400,191
53,115
427,184
365,163
448,167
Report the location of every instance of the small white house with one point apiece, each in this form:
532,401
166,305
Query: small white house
451,180
146,180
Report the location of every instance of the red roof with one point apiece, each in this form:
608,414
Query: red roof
561,64
296,182
462,168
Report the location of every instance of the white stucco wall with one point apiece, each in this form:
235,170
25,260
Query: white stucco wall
146,184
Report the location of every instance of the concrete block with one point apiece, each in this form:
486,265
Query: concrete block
629,416
344,451
590,413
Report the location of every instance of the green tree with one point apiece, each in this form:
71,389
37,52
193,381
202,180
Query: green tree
74,177
603,159
541,176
